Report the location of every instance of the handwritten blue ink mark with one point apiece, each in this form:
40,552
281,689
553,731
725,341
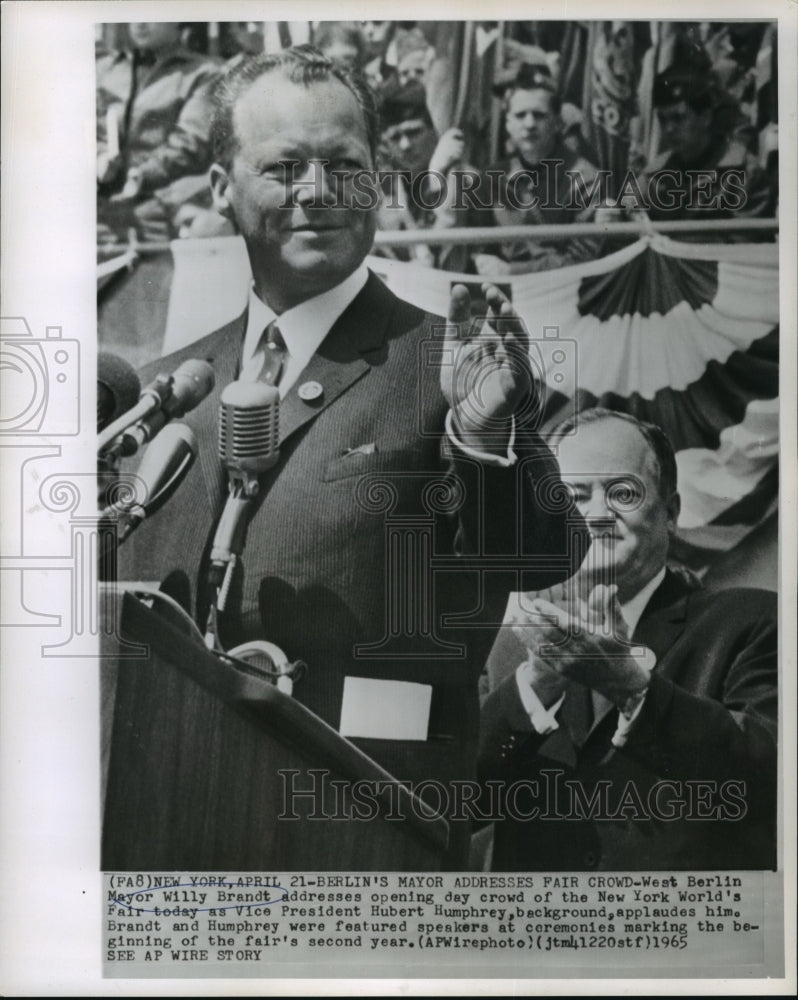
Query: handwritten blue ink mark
125,898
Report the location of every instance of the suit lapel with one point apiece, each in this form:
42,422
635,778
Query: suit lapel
665,617
334,378
342,358
341,361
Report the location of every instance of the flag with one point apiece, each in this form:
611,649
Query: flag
459,82
608,101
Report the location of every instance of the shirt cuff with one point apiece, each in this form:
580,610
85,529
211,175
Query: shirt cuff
504,462
633,707
543,719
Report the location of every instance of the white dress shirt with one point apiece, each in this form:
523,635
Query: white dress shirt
303,327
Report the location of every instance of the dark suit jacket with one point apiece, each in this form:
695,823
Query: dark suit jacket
710,716
339,532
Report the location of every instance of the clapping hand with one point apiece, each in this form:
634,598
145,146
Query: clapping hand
587,642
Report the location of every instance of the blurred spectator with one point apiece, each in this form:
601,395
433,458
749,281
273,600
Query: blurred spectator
733,51
389,43
408,136
536,182
413,56
516,55
343,42
153,119
419,175
378,36
239,39
706,170
380,52
413,66
744,59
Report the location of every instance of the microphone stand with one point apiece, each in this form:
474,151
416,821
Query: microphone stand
248,439
228,544
264,657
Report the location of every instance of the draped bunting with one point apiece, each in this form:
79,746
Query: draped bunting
650,283
683,336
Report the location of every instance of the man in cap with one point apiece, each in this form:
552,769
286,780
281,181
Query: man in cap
420,174
705,170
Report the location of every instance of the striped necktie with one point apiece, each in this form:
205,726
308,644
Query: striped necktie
267,364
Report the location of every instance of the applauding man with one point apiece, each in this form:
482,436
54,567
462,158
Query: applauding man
632,718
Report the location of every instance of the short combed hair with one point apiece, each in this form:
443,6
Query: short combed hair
654,436
532,77
303,65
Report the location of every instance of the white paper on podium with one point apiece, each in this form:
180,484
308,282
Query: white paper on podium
385,710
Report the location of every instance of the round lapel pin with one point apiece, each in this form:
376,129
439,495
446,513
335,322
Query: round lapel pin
311,392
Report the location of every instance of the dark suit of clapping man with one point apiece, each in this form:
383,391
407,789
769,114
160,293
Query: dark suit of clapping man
633,713
375,432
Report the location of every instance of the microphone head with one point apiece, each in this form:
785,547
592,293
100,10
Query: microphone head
118,388
166,461
174,447
249,427
192,381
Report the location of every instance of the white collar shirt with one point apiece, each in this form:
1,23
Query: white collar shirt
303,327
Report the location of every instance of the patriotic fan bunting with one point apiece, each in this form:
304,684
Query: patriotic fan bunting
682,335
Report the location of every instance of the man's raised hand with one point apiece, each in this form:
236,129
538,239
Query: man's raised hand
487,376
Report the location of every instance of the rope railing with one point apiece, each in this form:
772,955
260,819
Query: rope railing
506,234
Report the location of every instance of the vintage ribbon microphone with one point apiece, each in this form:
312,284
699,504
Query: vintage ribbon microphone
249,437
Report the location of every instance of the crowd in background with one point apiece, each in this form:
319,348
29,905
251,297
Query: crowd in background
687,111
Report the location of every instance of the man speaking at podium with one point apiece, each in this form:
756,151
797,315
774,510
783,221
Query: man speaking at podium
404,443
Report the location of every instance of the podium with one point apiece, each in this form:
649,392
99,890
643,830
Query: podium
209,767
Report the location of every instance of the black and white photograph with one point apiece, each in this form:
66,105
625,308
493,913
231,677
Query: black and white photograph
421,574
